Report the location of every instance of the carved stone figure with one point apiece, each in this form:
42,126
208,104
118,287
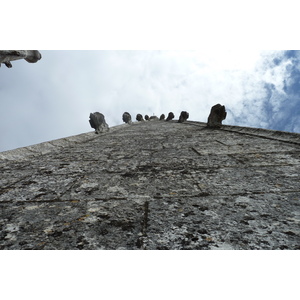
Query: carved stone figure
126,118
97,121
31,56
146,117
139,118
216,116
153,118
170,116
183,116
162,117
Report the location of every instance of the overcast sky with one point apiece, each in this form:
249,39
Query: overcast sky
53,98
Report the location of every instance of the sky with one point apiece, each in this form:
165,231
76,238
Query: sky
53,98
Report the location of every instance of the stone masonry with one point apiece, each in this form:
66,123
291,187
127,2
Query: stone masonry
154,185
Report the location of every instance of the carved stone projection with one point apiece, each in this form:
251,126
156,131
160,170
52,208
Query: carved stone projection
216,116
126,117
170,116
139,118
153,118
183,116
31,56
146,117
97,121
162,117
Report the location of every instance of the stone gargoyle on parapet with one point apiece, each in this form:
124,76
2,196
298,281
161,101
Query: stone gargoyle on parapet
31,56
153,118
139,118
97,121
183,116
170,116
126,118
216,116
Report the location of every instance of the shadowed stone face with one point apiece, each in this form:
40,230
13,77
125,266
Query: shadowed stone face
97,121
183,116
126,118
170,116
139,117
216,116
31,56
146,117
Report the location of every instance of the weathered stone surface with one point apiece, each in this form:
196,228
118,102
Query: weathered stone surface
216,116
174,186
31,56
97,121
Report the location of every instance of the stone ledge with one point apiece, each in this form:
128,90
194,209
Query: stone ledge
46,147
283,136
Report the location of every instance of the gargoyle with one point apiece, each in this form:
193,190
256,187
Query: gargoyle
216,116
162,117
153,118
97,121
126,118
31,56
139,118
170,116
183,116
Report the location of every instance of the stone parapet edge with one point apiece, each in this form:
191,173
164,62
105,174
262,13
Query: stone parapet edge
282,136
49,146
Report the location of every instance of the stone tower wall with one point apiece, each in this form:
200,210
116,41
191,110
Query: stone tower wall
154,185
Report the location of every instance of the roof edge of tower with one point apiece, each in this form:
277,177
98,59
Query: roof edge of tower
49,146
283,136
